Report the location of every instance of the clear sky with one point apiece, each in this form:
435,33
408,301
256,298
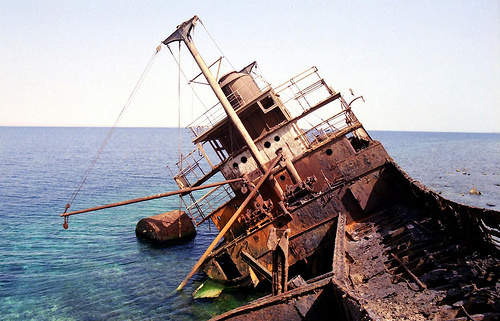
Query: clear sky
421,65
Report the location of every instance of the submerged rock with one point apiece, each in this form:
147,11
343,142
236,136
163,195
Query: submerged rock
474,191
167,228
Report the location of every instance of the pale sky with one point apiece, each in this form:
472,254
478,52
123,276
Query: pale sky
421,65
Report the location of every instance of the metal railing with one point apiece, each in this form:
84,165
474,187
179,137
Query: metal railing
304,91
216,113
328,127
191,168
199,208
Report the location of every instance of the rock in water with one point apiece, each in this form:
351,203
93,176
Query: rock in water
474,191
166,228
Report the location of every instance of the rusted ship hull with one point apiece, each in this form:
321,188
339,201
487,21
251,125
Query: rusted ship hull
418,257
318,195
352,186
309,195
323,299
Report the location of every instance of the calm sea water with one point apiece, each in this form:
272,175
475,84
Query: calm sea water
97,270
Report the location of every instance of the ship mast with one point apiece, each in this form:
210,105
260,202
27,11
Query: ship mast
183,34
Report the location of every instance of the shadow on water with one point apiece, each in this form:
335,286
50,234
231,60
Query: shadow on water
176,244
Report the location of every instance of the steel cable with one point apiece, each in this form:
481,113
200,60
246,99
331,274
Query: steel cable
113,128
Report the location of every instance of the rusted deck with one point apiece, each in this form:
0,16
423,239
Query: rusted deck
422,257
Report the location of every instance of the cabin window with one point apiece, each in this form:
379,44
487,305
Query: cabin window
282,177
329,152
235,165
218,149
267,144
358,143
244,159
359,139
267,102
277,138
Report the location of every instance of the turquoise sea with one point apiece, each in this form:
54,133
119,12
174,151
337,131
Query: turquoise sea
97,270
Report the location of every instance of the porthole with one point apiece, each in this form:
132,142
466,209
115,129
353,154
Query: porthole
235,165
244,159
267,144
277,138
282,177
329,152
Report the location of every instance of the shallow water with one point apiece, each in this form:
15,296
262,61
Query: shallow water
97,270
450,163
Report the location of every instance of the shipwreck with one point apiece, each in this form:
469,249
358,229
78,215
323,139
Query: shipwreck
317,211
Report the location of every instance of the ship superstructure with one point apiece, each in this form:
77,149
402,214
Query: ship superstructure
253,126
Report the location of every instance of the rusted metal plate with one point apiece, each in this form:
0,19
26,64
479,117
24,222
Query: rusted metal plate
366,160
321,300
339,266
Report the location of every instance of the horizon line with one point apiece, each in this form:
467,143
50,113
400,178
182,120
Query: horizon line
171,127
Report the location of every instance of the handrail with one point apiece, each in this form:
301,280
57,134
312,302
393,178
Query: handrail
215,114
297,78
337,122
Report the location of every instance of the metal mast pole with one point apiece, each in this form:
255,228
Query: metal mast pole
183,34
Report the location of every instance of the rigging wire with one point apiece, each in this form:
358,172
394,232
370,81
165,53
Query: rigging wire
113,128
210,36
179,128
179,107
184,75
192,96
186,78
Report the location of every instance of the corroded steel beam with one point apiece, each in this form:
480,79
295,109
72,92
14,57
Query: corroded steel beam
230,222
183,34
338,267
256,265
152,197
